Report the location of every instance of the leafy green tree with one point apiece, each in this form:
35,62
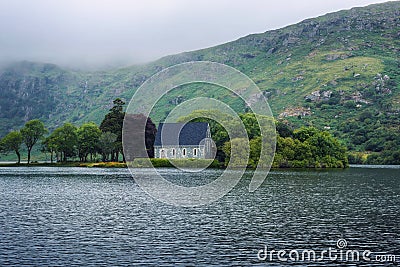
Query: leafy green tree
241,152
300,148
255,150
88,137
12,142
65,140
303,152
334,99
107,144
324,144
310,148
251,124
304,133
284,129
49,145
375,144
31,133
113,122
258,160
394,158
285,151
365,115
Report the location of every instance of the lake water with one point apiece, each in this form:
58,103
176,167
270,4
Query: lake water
101,217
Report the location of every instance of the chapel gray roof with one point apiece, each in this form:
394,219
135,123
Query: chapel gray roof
189,134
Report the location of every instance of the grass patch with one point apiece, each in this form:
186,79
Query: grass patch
104,165
171,163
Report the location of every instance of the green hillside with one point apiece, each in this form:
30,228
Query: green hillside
338,72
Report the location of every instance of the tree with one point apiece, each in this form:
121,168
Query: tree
365,115
284,129
49,145
113,122
251,124
65,140
106,144
324,144
31,133
238,159
88,137
12,142
304,133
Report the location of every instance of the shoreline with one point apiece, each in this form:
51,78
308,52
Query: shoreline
122,165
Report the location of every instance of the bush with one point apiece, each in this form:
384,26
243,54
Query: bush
350,104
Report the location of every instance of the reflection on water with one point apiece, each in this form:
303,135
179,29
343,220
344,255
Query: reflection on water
92,217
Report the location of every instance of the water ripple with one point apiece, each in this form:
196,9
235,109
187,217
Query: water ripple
92,217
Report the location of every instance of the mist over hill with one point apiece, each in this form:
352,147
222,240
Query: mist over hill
338,72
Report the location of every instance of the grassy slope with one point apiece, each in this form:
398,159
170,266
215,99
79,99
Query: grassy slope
290,64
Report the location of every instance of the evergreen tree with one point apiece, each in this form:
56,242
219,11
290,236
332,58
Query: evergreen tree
113,122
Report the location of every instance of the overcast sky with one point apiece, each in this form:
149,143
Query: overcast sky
88,33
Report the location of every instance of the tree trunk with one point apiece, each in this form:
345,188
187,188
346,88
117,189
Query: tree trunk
29,155
19,156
